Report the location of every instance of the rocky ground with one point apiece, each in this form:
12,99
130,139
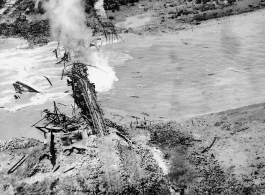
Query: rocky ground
108,165
219,153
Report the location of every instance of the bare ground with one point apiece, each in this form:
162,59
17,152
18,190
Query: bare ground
167,158
235,162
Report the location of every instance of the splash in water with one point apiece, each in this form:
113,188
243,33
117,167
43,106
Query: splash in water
104,76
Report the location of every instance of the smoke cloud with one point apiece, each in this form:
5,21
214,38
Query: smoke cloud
67,18
68,26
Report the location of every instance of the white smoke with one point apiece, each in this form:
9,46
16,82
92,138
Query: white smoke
67,18
68,26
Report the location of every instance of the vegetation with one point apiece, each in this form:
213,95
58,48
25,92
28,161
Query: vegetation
115,4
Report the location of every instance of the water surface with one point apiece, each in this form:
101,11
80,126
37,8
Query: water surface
218,66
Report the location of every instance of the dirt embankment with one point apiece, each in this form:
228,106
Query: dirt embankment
218,153
25,19
107,165
170,16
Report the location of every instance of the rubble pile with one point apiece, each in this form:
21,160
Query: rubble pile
18,143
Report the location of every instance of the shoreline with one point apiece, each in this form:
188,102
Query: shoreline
179,121
221,150
230,18
168,16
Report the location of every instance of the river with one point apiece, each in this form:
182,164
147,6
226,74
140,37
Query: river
216,66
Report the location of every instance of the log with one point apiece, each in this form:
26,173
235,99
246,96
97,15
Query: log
17,164
209,147
48,80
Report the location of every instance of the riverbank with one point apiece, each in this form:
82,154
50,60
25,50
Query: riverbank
226,157
218,153
213,67
28,20
152,17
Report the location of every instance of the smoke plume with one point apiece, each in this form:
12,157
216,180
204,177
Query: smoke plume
68,26
67,18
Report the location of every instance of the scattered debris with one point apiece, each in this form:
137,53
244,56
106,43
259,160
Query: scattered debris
17,164
104,27
48,80
94,43
61,104
239,130
69,169
55,52
16,97
123,137
21,87
209,147
146,114
66,58
133,116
